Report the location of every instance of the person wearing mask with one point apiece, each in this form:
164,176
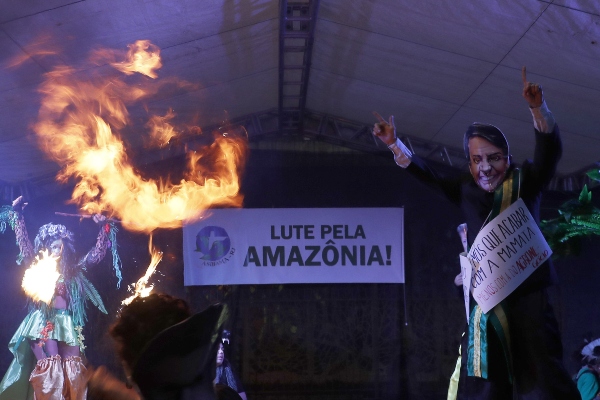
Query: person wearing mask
514,351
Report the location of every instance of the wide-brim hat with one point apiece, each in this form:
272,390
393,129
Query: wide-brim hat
182,355
224,392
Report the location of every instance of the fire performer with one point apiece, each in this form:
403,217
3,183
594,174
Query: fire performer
514,351
53,332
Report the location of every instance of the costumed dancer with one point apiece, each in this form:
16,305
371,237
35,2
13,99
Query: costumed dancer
52,333
514,351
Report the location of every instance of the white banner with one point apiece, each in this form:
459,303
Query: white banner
505,252
295,245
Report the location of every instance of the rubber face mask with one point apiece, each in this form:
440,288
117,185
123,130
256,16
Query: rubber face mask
487,163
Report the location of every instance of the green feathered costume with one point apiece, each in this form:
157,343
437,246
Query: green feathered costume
72,285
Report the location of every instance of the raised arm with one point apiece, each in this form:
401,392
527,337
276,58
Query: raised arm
548,149
97,253
18,225
543,120
416,166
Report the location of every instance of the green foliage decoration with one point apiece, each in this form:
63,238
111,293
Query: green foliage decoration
578,219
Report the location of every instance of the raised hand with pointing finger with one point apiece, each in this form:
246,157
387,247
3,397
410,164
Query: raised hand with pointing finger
385,130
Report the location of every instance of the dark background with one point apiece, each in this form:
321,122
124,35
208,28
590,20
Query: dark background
345,341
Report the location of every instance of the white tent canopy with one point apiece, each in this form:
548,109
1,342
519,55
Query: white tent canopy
317,69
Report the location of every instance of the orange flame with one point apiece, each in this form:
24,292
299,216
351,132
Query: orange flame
79,126
161,131
39,280
142,57
43,46
140,289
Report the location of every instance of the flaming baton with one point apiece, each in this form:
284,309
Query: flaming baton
140,289
40,278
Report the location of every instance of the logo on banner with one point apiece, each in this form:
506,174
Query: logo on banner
214,245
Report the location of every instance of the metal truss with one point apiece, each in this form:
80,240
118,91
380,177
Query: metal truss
357,136
297,21
292,120
264,126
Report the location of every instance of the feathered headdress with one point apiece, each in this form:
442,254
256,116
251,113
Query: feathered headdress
51,231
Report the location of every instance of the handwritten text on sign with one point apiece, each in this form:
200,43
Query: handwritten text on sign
506,251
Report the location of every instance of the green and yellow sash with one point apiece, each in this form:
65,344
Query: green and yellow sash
504,196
